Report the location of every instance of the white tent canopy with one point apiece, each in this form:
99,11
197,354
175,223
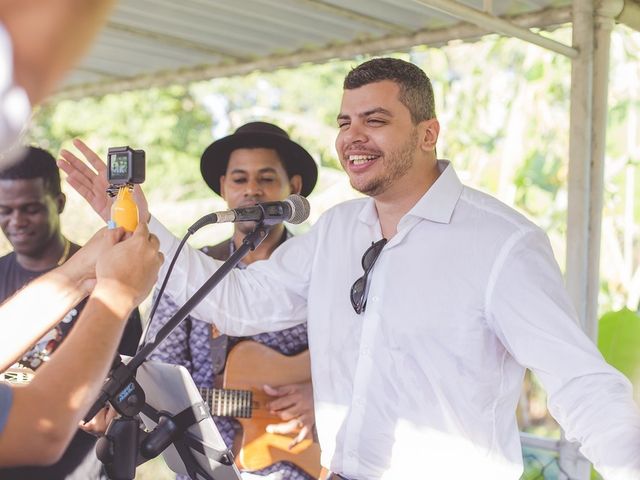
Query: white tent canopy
158,42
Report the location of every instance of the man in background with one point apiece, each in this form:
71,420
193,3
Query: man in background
31,202
258,163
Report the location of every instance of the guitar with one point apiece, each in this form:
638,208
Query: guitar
249,366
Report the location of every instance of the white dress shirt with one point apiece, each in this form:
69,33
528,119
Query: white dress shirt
424,384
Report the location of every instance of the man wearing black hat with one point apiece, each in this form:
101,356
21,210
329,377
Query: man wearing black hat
258,163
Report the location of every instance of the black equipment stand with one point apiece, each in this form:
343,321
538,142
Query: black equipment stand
125,444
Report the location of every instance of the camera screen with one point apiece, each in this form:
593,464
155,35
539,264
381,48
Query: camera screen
119,166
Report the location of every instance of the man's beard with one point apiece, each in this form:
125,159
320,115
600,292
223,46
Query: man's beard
397,164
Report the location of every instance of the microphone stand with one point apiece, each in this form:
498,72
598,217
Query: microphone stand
125,445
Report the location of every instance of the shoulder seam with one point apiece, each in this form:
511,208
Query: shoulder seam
498,263
495,211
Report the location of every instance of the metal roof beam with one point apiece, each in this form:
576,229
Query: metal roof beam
498,25
463,31
353,15
172,40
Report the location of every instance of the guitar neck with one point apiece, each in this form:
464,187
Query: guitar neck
228,403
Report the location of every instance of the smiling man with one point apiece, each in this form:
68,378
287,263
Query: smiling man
425,303
31,202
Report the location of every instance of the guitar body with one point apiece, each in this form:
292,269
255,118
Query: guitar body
251,365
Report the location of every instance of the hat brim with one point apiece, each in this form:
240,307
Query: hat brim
296,160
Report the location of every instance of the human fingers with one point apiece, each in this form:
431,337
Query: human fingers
104,238
141,202
91,186
283,428
79,175
286,413
304,433
76,167
141,231
93,158
280,403
274,391
97,425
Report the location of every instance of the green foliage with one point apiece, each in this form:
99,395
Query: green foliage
538,181
304,101
619,341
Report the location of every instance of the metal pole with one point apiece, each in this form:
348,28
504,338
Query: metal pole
579,224
604,23
579,183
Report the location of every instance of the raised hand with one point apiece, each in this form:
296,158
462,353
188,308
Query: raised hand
294,405
92,184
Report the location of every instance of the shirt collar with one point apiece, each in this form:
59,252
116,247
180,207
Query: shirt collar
436,205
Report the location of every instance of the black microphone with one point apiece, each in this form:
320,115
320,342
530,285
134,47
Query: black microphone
294,209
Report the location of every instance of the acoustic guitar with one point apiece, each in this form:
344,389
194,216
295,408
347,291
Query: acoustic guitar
250,365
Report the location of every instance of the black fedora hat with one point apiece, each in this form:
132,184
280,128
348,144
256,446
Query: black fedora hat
296,159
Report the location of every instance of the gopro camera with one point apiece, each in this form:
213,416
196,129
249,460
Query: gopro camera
125,166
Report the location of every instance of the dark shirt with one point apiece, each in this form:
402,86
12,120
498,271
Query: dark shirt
79,461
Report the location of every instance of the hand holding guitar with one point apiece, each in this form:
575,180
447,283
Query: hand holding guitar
294,405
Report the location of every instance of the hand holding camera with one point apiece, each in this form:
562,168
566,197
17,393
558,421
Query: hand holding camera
92,183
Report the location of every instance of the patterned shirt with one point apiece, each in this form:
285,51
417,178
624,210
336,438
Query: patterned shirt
189,345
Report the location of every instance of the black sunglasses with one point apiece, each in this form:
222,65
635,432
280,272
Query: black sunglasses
360,288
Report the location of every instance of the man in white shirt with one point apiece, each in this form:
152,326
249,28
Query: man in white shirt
424,303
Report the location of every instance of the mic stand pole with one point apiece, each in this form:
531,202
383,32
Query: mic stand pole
249,243
123,391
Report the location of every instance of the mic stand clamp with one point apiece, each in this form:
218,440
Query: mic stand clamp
119,448
125,445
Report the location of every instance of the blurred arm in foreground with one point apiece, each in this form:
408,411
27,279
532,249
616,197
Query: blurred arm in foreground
40,418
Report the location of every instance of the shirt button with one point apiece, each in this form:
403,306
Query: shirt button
375,298
358,402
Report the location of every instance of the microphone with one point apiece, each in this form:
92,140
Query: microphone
294,209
